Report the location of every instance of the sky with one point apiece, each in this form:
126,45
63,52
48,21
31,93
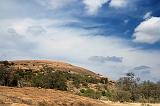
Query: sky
109,37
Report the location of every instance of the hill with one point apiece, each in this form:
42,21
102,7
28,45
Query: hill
53,75
57,65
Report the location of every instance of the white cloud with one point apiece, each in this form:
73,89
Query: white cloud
118,3
147,15
92,6
55,4
71,45
148,31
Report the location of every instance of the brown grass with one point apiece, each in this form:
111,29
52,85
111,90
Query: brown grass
29,96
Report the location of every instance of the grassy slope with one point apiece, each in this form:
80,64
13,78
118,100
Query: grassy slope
30,96
43,97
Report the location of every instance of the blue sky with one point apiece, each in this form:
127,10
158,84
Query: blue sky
110,37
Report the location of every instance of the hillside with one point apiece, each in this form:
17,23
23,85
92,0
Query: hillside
53,75
39,86
42,75
57,65
29,96
42,97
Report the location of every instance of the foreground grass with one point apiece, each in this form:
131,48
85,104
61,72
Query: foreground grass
130,104
30,96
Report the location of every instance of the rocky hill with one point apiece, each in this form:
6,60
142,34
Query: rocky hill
57,65
44,75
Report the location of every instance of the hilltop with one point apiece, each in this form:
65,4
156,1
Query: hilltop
36,65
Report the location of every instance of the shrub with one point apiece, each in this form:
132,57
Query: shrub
6,76
123,96
76,83
55,80
90,93
103,93
82,90
37,80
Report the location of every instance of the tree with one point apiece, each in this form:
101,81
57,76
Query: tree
129,83
123,96
6,76
38,80
150,91
55,79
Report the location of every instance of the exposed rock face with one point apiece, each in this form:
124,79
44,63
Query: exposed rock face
39,64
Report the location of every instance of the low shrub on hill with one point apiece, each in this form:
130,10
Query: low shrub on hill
90,93
46,78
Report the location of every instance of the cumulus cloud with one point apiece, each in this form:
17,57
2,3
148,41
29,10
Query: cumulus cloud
103,59
119,3
92,6
148,31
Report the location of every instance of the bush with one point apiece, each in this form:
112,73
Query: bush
123,96
55,80
37,80
82,90
90,93
103,93
6,76
76,83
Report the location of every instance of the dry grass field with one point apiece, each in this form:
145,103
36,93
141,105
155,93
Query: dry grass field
129,104
29,96
43,97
